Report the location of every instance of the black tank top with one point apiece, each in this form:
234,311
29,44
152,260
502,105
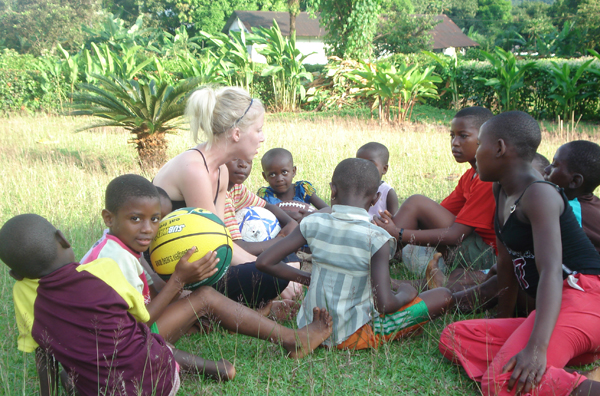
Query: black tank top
182,204
579,255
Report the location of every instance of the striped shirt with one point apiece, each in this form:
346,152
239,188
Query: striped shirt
342,244
238,198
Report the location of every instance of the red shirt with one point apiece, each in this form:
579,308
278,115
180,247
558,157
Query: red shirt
473,204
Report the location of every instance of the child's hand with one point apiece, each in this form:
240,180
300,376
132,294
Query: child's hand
528,367
384,220
195,271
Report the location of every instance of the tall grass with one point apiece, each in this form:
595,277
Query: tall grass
47,169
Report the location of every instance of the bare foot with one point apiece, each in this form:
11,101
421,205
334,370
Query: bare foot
435,277
265,310
311,336
593,374
221,370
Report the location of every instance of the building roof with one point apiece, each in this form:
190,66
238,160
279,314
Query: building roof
446,34
305,25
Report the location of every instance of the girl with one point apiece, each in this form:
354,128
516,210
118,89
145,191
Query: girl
543,250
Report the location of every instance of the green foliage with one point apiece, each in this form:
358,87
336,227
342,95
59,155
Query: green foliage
508,78
569,90
284,67
491,13
449,64
35,26
148,109
351,26
399,32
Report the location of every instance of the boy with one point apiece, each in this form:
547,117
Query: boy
279,171
378,154
543,251
88,317
132,215
465,217
576,168
349,250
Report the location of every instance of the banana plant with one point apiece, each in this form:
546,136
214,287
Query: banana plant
509,76
207,68
568,89
285,66
376,80
450,65
414,86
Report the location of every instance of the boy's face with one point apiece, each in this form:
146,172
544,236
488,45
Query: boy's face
369,156
136,222
280,174
463,139
484,155
558,172
239,170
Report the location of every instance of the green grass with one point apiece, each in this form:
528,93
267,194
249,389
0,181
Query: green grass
49,170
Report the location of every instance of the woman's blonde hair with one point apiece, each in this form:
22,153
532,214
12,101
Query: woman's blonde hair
216,111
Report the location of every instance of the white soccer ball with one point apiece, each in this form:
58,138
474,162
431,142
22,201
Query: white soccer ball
257,224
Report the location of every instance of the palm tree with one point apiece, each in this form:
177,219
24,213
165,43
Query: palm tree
149,110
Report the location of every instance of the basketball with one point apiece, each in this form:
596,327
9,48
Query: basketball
257,224
183,229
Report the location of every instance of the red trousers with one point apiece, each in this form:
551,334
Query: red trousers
483,346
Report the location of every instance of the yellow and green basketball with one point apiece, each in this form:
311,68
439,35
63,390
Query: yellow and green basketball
183,229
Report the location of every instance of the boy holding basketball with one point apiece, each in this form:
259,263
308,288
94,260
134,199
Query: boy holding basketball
132,215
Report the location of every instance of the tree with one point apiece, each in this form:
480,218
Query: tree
403,32
294,10
589,19
350,24
35,26
492,14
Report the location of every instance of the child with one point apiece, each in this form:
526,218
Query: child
543,251
87,317
279,171
465,217
540,163
132,215
239,197
349,250
378,154
576,168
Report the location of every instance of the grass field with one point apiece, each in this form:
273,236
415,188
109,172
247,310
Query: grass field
47,169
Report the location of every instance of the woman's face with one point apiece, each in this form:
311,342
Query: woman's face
251,139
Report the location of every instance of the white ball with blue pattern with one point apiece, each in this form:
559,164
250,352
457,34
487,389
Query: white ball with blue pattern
257,224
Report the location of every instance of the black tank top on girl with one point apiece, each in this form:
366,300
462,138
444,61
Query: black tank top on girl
579,255
182,204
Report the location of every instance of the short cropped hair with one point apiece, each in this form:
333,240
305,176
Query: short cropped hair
378,150
274,153
28,245
583,157
123,188
162,193
543,161
356,176
478,115
519,130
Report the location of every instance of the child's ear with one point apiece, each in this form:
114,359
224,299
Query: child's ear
576,181
293,171
108,217
500,148
385,169
264,176
375,199
62,239
333,191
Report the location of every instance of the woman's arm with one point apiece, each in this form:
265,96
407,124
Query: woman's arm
270,261
542,206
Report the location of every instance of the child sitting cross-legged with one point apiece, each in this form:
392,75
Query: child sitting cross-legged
87,317
543,251
349,250
279,171
378,154
132,215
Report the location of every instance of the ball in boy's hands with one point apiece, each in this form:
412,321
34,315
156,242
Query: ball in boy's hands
295,206
183,229
257,224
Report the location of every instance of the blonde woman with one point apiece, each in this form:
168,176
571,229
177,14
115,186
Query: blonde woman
226,124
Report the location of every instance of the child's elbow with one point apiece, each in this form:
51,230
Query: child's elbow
261,263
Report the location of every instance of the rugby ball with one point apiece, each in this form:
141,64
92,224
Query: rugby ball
257,224
295,206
